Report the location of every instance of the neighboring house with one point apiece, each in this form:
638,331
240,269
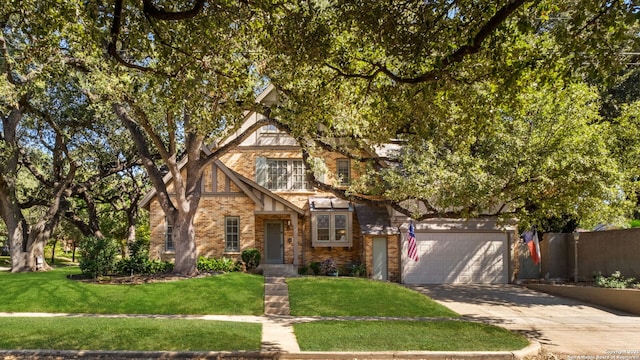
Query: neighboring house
256,196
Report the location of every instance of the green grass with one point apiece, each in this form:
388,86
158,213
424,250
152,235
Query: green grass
328,296
128,334
232,293
405,335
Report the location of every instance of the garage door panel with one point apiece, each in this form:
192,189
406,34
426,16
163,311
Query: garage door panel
458,258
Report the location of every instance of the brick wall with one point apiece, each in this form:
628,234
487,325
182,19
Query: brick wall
221,198
393,256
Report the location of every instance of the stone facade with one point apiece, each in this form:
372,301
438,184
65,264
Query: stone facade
230,189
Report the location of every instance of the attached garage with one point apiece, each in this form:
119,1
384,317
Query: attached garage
454,257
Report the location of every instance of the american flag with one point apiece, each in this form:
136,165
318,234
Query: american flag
411,238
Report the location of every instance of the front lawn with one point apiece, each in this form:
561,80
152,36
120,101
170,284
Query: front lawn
128,334
405,336
227,294
330,296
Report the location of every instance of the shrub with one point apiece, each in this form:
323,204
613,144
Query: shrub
328,266
616,281
315,267
251,258
138,261
217,265
98,256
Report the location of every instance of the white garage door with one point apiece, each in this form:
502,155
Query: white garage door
450,258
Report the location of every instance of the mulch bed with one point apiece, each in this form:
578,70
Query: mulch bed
137,279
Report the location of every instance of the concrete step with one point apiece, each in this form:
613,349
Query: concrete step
279,270
275,287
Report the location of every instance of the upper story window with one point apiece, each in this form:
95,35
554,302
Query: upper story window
269,129
281,174
343,170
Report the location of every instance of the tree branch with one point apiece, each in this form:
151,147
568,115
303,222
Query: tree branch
152,10
473,46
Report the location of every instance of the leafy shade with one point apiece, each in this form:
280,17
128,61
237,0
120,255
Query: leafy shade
488,101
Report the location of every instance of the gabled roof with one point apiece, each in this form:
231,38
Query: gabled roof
261,190
267,97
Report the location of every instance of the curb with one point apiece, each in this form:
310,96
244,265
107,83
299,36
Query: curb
531,350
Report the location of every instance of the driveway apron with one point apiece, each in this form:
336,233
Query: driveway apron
561,325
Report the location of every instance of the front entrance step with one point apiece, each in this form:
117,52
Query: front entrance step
276,296
278,269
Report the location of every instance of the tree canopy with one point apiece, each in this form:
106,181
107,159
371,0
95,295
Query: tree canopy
454,108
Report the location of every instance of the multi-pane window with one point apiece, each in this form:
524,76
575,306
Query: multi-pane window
277,174
168,237
281,174
331,229
232,233
343,171
323,228
299,181
340,228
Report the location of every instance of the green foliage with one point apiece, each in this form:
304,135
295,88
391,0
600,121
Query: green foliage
616,281
138,261
315,267
251,258
98,256
217,265
635,223
355,269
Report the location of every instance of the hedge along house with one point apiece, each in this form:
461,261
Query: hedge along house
257,196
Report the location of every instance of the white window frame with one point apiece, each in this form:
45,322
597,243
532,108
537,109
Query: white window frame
347,238
294,171
229,235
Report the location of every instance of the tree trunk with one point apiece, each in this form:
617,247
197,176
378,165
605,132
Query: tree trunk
185,245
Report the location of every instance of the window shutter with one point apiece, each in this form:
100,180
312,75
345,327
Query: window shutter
261,171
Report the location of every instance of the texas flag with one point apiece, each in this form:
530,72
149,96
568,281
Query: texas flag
531,239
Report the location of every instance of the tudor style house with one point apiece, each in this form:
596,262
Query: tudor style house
256,196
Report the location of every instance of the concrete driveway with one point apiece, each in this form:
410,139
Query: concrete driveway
560,325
